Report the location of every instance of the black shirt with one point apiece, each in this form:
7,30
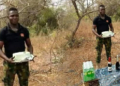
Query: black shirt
13,41
102,24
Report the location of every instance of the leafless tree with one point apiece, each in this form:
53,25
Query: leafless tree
82,8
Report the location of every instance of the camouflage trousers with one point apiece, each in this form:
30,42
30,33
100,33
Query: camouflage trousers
100,43
22,71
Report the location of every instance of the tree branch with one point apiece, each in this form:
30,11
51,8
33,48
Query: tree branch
76,9
24,8
88,6
10,4
89,12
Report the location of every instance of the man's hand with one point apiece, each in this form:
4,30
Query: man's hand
10,60
94,31
33,58
100,36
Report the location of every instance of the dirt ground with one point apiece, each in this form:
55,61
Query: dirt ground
63,67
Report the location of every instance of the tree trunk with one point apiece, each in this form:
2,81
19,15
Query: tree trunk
74,32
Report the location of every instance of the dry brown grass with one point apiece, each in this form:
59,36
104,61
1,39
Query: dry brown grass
65,64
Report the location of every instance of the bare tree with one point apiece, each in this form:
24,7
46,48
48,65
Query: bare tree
82,8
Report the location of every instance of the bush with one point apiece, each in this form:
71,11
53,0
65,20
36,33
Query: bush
46,22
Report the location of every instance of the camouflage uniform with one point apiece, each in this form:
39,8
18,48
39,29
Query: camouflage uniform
107,43
21,69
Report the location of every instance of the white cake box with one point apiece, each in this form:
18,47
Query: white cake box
22,57
106,34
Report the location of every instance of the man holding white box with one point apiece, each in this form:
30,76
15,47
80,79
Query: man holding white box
101,24
14,37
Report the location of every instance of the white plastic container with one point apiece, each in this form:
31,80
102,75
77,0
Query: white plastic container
22,56
107,34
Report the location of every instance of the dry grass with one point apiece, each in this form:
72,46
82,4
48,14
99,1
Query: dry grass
55,66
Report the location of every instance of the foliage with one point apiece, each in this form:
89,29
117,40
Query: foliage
46,22
116,16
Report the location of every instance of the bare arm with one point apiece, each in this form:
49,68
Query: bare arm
94,31
29,46
2,55
111,27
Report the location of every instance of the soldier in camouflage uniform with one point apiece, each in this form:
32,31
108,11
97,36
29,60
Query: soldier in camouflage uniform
107,43
21,69
14,37
102,23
